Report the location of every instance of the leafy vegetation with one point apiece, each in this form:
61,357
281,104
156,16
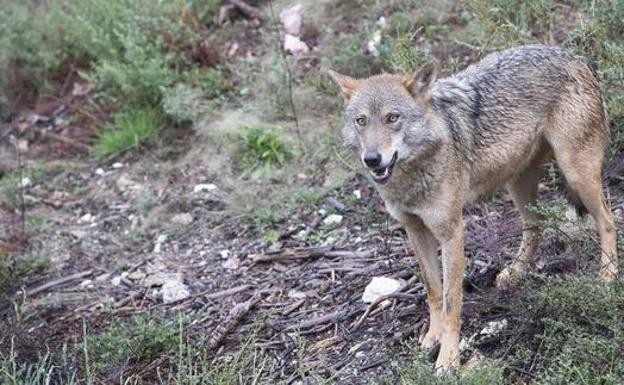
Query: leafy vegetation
128,129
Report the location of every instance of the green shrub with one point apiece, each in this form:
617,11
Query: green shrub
128,129
262,145
420,372
144,338
568,330
29,52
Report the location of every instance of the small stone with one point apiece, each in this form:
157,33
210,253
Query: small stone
358,194
183,219
160,279
292,19
295,294
99,171
225,254
333,219
294,45
87,283
87,218
26,182
137,275
102,277
78,233
378,287
116,281
302,176
231,264
173,291
159,241
204,187
117,165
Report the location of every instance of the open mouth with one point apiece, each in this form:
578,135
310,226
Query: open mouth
381,174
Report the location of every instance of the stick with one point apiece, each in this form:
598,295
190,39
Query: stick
236,314
227,292
248,10
58,282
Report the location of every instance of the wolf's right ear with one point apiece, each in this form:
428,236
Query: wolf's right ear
419,82
346,83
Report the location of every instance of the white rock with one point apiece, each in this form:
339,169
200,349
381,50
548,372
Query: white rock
159,241
295,294
117,165
382,23
294,45
87,218
137,275
87,283
26,182
333,219
184,219
231,263
173,291
373,43
225,254
99,171
160,279
493,327
378,287
291,19
103,277
116,281
204,187
358,194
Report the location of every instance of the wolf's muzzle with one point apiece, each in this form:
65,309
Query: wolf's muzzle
382,174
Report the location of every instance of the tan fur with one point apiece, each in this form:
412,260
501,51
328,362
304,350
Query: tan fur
463,137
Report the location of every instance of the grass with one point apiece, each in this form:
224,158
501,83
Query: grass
263,146
129,129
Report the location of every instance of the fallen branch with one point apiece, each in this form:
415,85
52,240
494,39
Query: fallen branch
248,10
58,282
236,314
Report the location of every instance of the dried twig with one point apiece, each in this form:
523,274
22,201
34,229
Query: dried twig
288,75
58,282
246,9
236,314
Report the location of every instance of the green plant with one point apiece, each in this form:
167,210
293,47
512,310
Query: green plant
261,145
419,371
144,338
128,129
568,330
401,56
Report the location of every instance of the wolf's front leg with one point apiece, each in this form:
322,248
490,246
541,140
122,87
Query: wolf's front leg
453,266
425,248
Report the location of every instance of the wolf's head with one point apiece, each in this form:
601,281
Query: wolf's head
387,117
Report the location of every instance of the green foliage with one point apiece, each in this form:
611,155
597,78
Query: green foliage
571,331
420,372
129,129
13,270
402,56
144,338
41,372
28,53
261,145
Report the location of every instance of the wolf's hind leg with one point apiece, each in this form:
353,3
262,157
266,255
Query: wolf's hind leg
583,175
523,191
425,247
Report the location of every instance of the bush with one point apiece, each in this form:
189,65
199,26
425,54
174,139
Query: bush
261,146
128,129
568,330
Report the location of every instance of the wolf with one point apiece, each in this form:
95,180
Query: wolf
430,146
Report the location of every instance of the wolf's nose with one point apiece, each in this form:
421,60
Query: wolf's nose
372,158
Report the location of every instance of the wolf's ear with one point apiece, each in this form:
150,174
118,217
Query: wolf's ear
419,82
347,84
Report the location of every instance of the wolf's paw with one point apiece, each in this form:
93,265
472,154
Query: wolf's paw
608,273
448,360
429,339
509,276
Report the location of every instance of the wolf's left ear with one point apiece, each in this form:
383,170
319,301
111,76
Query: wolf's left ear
419,82
346,83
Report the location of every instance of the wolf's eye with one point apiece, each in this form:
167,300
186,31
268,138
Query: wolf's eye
392,117
361,121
